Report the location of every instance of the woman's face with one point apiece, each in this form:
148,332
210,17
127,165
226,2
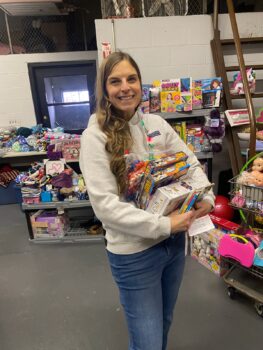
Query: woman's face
124,88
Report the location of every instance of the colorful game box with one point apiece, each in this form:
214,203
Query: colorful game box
211,92
197,94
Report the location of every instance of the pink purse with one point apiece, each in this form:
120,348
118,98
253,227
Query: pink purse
243,252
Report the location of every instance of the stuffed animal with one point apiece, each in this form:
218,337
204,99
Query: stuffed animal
238,87
214,130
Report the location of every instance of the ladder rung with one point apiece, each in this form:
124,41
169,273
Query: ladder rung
254,95
237,68
258,39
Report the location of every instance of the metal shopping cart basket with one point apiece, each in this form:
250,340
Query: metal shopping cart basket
249,201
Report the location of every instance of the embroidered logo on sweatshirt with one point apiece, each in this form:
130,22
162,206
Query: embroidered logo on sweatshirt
154,133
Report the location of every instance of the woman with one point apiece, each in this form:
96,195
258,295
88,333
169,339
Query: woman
145,251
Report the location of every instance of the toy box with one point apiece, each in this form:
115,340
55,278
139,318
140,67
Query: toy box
48,224
211,92
170,197
169,101
204,247
71,149
197,94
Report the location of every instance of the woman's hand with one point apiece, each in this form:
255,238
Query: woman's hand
202,208
181,222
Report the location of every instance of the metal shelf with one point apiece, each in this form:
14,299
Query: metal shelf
185,115
204,155
73,235
55,205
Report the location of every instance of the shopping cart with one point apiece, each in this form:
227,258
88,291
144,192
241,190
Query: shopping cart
241,279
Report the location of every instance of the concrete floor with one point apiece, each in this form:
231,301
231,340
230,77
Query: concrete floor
62,297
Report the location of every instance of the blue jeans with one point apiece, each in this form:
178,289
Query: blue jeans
149,282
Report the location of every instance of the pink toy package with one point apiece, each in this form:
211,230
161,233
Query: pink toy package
243,252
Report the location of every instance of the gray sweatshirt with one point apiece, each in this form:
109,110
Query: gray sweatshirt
129,229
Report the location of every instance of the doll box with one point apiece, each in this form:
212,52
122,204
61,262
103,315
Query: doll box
170,197
204,248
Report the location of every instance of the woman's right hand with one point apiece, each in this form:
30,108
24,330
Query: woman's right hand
181,222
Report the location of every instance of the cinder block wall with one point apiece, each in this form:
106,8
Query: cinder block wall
16,104
164,47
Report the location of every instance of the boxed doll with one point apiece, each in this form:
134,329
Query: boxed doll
204,247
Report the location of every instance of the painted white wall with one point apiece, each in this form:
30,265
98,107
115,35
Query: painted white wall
16,103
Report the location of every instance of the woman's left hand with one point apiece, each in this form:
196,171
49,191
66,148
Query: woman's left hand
202,208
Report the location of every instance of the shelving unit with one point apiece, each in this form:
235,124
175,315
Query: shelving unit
184,116
21,158
72,235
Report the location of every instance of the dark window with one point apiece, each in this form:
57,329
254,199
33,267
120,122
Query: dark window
63,93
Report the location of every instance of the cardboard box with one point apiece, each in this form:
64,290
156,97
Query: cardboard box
48,224
170,197
204,248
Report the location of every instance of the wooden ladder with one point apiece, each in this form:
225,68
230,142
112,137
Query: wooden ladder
218,49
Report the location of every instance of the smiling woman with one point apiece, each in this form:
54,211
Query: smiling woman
124,89
145,250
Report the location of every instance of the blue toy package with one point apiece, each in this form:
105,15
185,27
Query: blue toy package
258,260
211,92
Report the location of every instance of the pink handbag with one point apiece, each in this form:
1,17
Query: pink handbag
243,252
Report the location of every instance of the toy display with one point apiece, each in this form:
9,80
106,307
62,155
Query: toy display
181,95
39,184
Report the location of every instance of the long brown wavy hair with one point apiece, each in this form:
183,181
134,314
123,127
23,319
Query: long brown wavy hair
111,122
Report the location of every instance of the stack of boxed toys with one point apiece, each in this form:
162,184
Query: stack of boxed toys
163,184
181,95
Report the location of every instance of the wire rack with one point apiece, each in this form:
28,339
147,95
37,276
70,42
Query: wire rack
253,270
32,34
249,200
151,8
